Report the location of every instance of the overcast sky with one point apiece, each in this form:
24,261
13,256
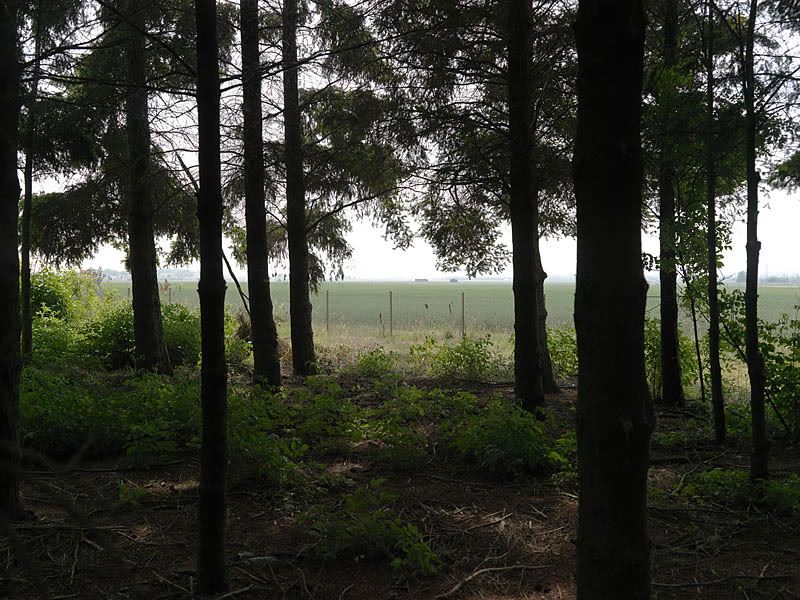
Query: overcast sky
374,257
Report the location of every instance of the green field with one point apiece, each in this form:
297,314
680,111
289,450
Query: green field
362,308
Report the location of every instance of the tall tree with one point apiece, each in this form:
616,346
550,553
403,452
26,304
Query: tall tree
9,260
303,355
28,170
759,456
615,416
714,364
266,360
151,353
524,213
212,509
464,116
672,388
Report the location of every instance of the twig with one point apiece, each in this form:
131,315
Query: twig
483,571
720,580
236,592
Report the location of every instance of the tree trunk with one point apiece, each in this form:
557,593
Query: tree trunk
10,363
25,220
717,400
615,416
211,569
528,387
266,360
142,258
672,389
303,357
755,361
548,378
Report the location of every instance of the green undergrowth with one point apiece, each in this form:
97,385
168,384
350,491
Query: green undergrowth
365,526
146,417
733,488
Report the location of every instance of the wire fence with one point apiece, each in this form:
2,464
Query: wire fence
457,308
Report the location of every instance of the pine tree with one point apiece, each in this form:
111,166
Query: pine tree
615,417
212,505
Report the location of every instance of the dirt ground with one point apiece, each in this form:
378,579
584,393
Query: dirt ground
497,540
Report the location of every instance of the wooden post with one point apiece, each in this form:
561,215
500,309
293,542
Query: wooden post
463,318
328,311
391,315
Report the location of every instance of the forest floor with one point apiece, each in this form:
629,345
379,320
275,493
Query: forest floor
496,539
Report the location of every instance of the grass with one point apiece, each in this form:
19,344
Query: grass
360,310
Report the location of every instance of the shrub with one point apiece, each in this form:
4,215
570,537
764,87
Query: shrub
652,357
563,347
779,342
55,342
472,358
322,413
181,334
734,488
403,446
374,363
152,416
59,416
257,449
503,439
67,295
366,527
109,337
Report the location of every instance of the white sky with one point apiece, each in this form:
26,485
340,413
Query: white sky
375,258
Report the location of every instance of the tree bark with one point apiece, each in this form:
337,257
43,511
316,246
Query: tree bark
211,568
717,400
759,457
151,353
303,355
266,359
10,360
528,388
671,387
615,414
548,378
27,202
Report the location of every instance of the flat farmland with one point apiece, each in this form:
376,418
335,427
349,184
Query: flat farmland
428,307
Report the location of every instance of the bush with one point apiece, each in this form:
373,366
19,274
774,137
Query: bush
374,363
257,449
503,439
109,337
366,527
563,347
55,342
181,334
472,359
67,295
149,417
323,415
652,358
734,488
59,416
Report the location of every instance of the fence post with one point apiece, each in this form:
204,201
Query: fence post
328,311
391,315
463,319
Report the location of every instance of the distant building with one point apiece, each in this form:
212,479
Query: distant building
454,281
420,281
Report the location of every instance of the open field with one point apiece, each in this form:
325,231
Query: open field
363,307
